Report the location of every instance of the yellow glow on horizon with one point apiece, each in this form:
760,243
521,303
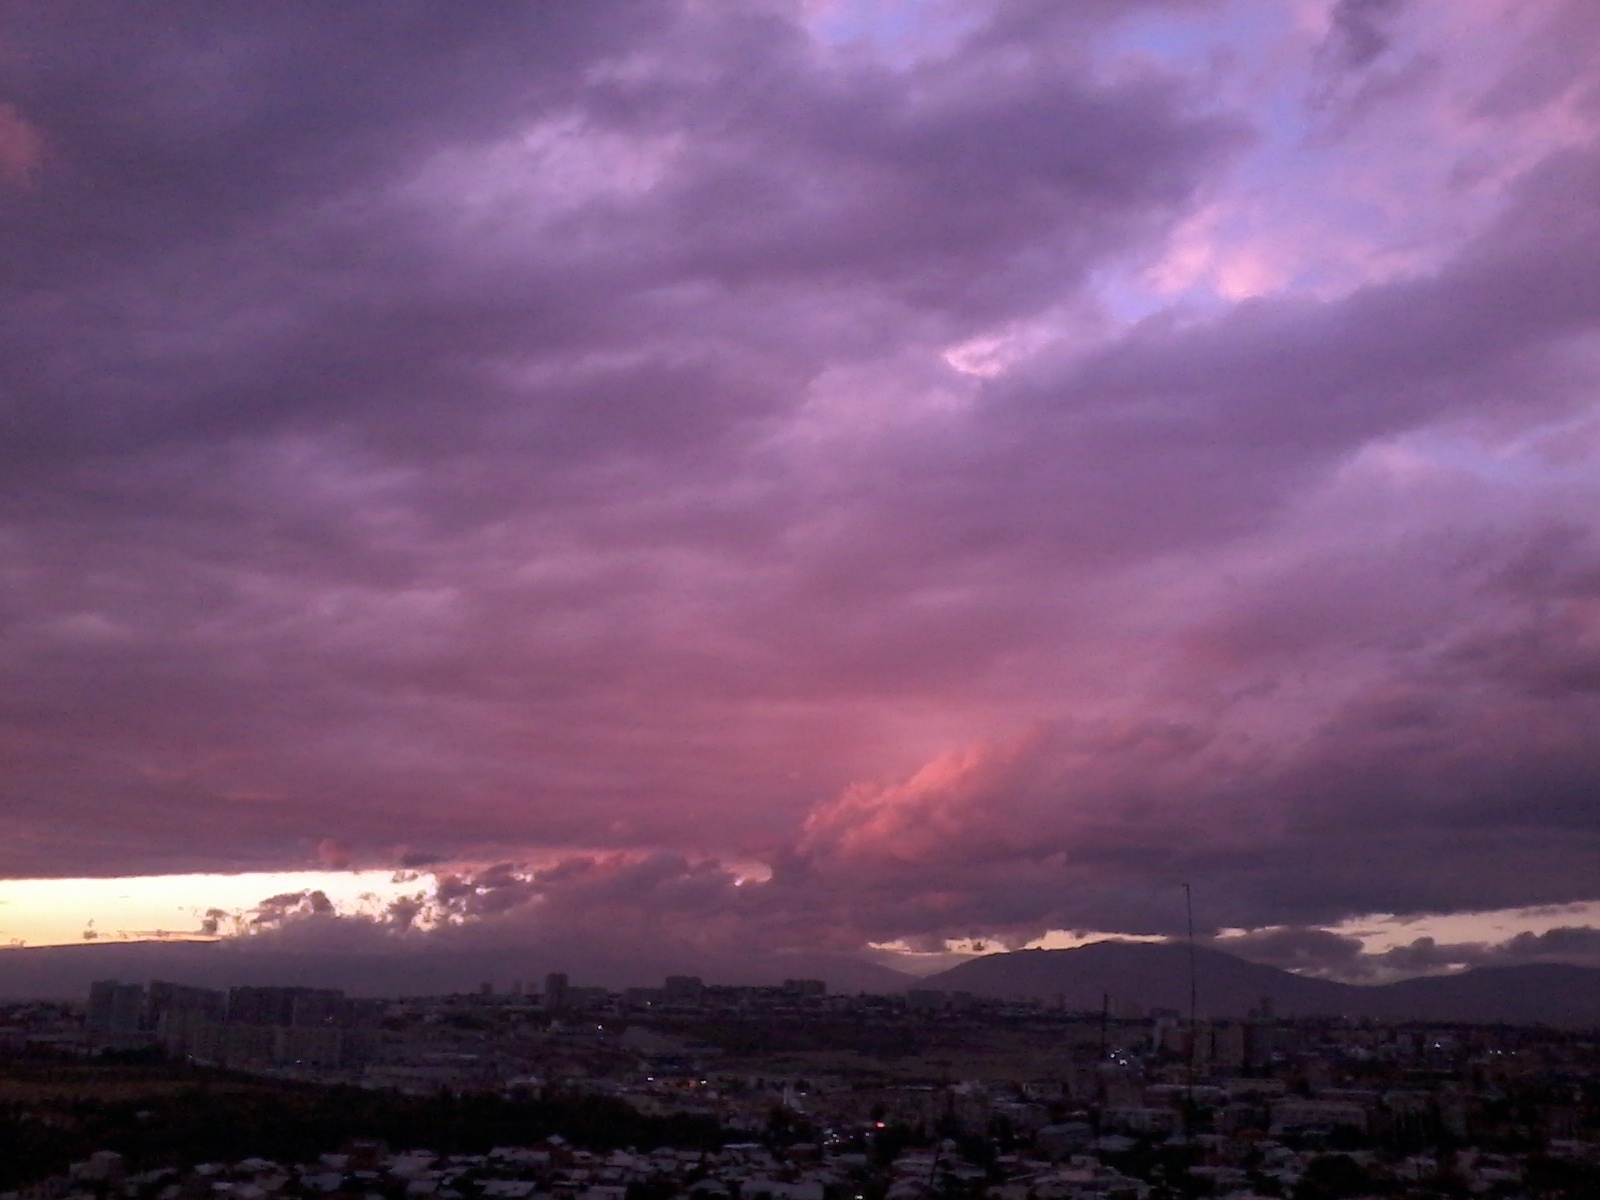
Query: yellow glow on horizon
1065,939
1377,931
60,912
57,912
1383,931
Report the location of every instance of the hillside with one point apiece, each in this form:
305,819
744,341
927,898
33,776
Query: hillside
1547,993
1156,975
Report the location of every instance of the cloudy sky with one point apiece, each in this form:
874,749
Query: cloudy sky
803,475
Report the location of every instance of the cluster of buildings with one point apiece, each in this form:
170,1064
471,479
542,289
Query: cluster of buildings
321,1030
244,1027
1104,1167
677,993
983,1100
556,1170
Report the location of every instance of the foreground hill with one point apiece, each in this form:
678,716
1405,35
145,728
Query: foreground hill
1156,975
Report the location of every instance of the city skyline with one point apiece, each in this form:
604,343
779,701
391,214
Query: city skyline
886,478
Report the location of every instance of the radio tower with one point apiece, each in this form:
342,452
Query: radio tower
1194,1029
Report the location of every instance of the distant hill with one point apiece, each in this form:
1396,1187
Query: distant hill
1149,974
1547,993
1156,975
65,972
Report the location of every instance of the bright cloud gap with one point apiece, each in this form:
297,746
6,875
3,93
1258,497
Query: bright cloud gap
212,907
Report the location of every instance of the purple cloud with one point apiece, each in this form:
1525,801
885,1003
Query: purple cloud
944,470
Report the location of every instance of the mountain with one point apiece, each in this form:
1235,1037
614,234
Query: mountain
1149,974
1554,993
65,972
1156,975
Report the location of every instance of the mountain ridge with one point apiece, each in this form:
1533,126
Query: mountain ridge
1156,975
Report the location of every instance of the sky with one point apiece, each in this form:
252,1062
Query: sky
677,481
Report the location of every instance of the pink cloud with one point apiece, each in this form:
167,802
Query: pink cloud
22,147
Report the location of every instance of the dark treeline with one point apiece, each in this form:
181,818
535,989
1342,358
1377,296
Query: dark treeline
187,1116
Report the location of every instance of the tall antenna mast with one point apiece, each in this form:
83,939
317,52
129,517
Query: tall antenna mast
1188,909
1194,1029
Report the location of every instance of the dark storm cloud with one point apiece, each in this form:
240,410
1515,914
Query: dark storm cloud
1335,956
295,247
1571,943
1430,788
536,427
1356,33
340,375
1313,951
182,125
